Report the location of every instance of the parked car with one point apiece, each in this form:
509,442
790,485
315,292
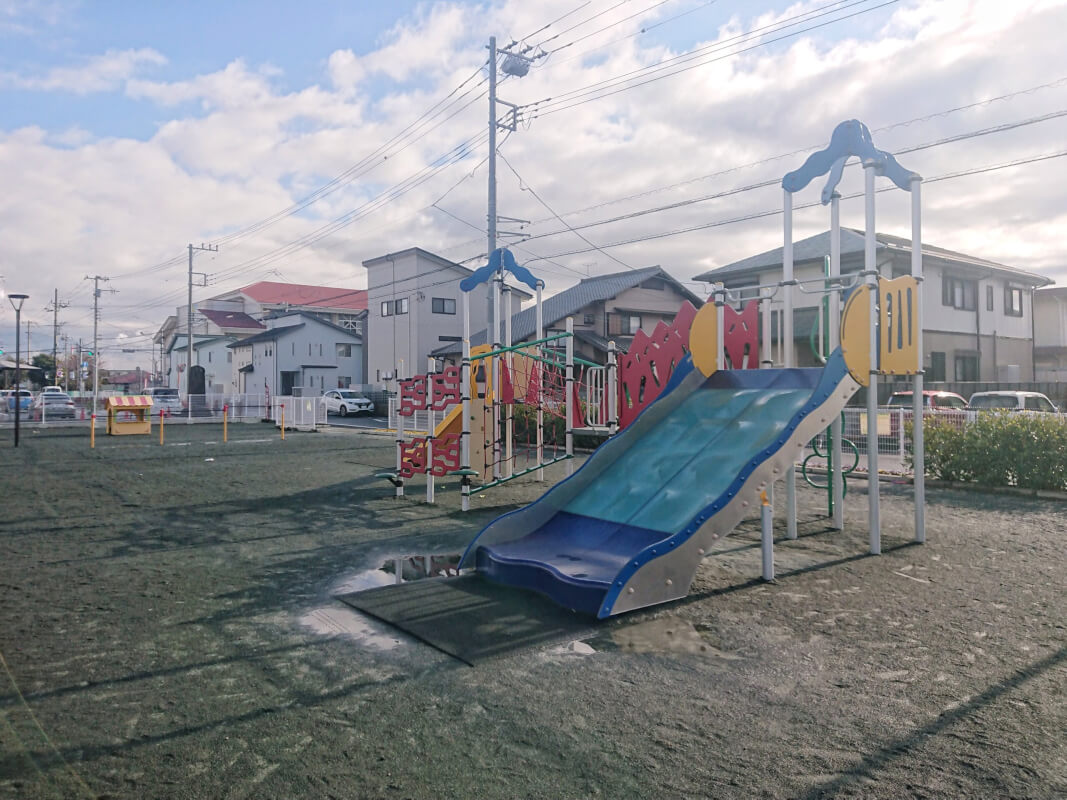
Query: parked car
53,405
25,399
932,400
166,398
944,406
1011,401
347,401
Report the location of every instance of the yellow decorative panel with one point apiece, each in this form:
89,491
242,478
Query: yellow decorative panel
856,335
899,326
704,339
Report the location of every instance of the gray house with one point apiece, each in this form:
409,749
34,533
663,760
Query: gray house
297,351
978,315
604,308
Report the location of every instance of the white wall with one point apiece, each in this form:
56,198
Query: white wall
409,338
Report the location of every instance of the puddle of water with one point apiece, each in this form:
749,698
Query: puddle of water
342,621
402,569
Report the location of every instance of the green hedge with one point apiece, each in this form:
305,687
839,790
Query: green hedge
1000,449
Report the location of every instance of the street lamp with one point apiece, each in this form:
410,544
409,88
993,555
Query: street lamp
16,303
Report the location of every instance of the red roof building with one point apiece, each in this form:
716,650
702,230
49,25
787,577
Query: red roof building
274,294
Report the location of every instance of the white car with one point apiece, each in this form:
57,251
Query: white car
1011,401
165,398
347,401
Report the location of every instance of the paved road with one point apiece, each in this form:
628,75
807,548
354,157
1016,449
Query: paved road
358,422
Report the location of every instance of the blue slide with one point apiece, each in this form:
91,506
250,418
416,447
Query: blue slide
630,527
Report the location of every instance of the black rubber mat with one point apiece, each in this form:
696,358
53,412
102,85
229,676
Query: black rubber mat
470,618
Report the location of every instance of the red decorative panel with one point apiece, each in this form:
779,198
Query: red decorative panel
445,389
412,396
645,369
413,457
445,454
742,336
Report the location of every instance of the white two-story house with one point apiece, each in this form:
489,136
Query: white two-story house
978,315
1050,333
414,305
297,351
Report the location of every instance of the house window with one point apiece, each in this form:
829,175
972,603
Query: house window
959,293
745,290
937,366
294,348
633,324
309,348
989,298
588,319
344,350
443,305
1013,301
209,356
320,348
229,357
400,306
966,367
343,381
387,308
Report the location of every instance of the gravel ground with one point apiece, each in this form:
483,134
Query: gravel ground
168,630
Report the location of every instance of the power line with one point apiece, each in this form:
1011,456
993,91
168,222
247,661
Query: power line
773,182
631,80
773,212
532,191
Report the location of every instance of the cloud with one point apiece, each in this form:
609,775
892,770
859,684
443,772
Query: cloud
233,148
101,73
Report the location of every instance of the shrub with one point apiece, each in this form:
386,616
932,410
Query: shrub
1025,450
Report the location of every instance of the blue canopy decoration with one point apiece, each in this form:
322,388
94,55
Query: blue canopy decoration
500,260
850,138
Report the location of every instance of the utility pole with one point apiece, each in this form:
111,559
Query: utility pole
81,380
55,335
515,64
66,363
209,248
96,344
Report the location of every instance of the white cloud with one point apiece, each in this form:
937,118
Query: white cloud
101,73
115,205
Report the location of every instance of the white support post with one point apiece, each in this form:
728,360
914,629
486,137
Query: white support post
465,398
611,389
540,367
720,326
917,441
494,364
767,539
509,468
432,424
870,268
766,316
786,340
837,477
399,440
569,388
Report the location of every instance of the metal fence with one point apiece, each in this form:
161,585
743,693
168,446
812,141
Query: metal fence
302,413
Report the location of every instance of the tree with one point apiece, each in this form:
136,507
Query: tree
47,375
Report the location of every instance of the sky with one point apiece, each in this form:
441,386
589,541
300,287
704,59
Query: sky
303,139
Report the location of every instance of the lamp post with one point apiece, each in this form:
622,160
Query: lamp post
16,303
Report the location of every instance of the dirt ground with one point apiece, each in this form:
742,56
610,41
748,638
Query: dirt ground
168,630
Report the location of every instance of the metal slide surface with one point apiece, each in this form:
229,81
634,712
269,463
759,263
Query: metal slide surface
647,491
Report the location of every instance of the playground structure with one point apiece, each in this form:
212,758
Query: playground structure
121,408
630,527
472,428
